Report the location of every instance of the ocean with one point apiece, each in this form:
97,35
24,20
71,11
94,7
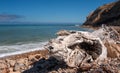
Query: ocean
19,38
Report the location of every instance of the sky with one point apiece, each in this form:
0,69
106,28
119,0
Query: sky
48,11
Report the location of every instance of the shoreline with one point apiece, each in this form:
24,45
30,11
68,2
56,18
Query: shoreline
22,48
21,62
95,28
23,54
29,61
20,52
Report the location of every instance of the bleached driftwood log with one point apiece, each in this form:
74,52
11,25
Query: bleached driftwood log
111,39
107,34
77,47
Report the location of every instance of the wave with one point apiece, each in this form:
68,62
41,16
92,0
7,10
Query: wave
8,50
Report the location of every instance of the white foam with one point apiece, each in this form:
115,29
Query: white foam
19,49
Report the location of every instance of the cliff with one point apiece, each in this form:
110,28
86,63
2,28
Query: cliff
108,14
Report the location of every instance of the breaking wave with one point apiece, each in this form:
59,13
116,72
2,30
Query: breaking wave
7,50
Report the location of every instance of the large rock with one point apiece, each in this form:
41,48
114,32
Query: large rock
107,14
77,48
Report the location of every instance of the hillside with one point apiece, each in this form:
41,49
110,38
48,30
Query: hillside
108,14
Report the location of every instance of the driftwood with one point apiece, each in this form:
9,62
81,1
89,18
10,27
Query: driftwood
77,48
107,34
111,39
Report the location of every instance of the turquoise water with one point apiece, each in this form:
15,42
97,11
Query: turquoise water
22,37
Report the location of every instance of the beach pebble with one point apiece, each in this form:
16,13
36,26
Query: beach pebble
3,67
10,69
38,56
19,66
15,72
12,62
20,61
26,62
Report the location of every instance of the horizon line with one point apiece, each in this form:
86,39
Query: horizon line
41,22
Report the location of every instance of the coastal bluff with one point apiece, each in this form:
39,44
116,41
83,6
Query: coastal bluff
108,14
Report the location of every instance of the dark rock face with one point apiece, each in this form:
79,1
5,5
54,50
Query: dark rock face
108,14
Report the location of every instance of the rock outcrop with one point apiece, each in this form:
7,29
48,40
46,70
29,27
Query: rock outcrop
108,14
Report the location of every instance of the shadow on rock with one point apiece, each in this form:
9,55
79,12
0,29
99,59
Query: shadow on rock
46,65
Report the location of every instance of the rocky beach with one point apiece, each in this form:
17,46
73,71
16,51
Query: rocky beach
76,51
70,53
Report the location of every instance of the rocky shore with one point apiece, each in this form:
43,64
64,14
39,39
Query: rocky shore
70,52
21,62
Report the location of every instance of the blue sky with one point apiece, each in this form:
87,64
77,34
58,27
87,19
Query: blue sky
48,11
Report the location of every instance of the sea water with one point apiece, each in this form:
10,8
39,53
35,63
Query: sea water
19,38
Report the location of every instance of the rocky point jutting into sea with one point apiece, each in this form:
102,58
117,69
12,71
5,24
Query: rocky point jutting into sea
75,51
